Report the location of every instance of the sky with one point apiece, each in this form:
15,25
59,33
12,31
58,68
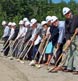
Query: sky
57,1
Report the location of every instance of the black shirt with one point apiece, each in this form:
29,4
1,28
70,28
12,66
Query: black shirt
54,31
70,26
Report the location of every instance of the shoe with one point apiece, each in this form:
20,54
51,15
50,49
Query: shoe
1,51
50,69
59,68
32,63
22,62
75,73
11,58
46,64
67,70
38,65
53,71
18,60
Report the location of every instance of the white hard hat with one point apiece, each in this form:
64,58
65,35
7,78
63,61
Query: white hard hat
33,21
65,10
13,24
3,22
54,18
48,18
25,19
21,22
27,23
10,23
43,23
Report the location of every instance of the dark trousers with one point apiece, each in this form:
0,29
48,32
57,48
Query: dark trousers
14,49
35,49
8,48
59,52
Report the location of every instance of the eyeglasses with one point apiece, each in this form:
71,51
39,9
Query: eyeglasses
68,13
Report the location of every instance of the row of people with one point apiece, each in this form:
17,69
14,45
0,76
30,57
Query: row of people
35,41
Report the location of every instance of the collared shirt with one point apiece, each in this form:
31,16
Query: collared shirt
35,32
22,32
61,31
38,40
6,32
11,33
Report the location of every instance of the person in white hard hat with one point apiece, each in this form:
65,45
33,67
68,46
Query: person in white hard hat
13,26
21,29
36,28
57,39
5,37
29,31
9,24
4,23
35,38
6,29
54,32
48,19
26,28
71,28
43,41
43,33
27,38
67,12
25,20
45,27
20,36
27,24
45,37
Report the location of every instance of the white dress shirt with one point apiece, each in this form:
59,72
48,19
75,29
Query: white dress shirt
38,40
6,32
34,33
22,32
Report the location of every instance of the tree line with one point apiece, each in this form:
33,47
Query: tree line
15,10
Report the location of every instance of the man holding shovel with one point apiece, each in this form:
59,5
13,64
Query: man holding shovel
71,29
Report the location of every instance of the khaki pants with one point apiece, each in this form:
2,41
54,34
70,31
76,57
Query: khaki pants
71,57
41,47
